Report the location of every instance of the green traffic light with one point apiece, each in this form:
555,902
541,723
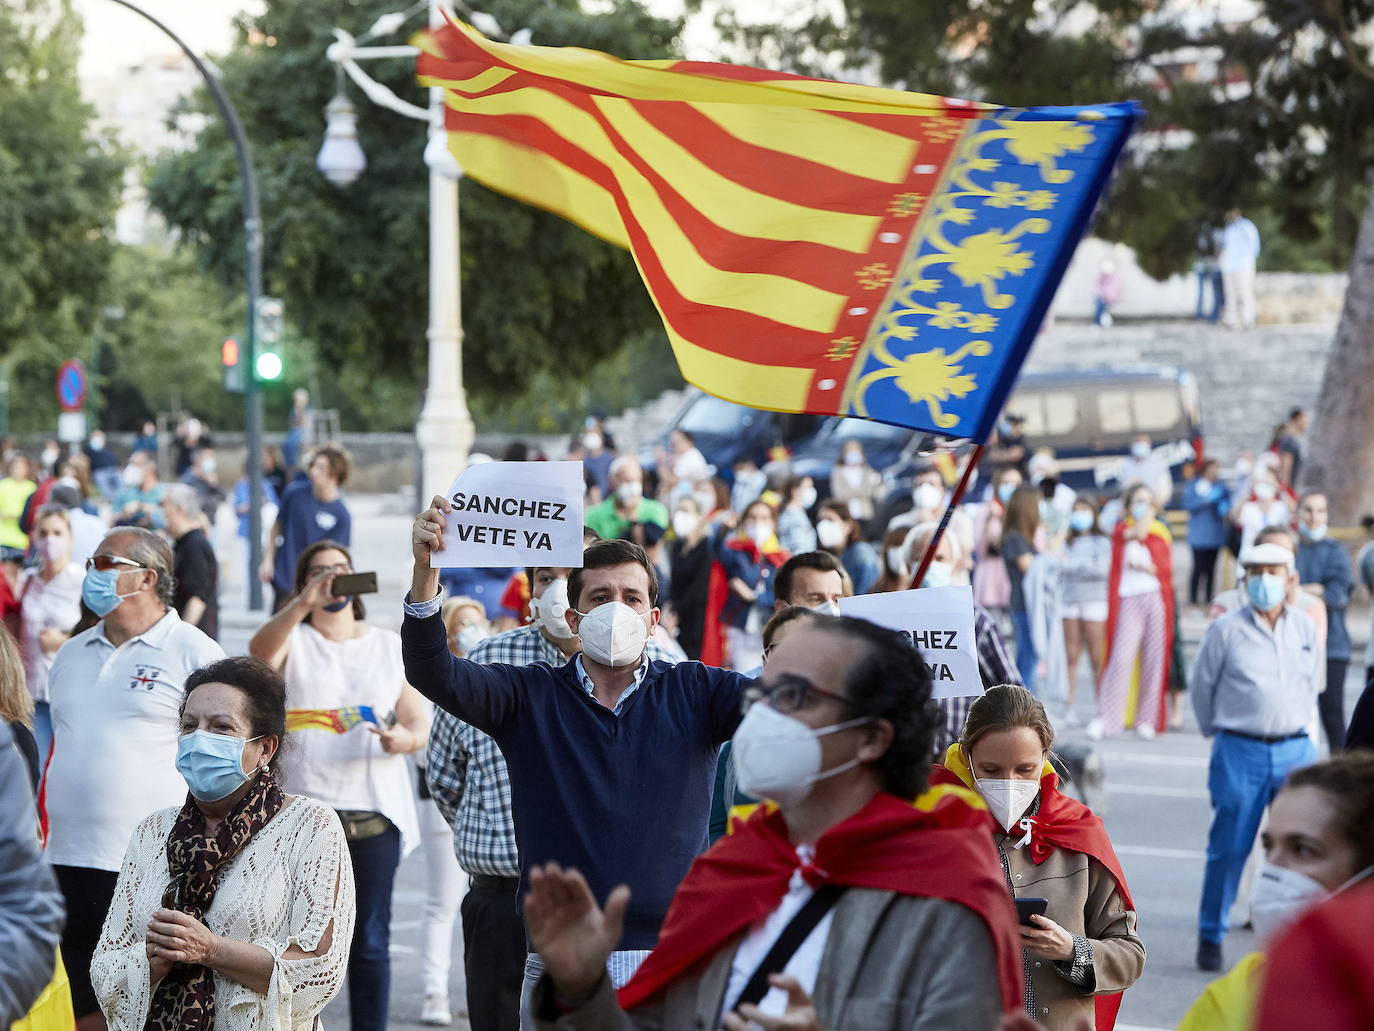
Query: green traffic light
269,365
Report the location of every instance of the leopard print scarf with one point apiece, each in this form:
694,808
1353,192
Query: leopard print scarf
184,1000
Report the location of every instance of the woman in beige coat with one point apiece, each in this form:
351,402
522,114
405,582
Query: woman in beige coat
1083,951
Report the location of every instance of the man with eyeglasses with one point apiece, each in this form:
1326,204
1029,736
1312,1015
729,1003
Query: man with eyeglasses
115,691
844,904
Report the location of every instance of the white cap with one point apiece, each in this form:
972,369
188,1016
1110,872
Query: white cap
1266,555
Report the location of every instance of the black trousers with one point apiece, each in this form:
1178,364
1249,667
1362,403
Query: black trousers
493,953
1331,703
1204,568
88,894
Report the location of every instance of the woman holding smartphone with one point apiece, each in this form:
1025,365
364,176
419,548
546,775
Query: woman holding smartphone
1078,924
332,660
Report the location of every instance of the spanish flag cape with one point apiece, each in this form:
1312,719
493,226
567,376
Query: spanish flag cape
937,847
718,592
1160,542
1062,822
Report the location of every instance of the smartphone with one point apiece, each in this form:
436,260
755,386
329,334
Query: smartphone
389,720
354,583
1026,908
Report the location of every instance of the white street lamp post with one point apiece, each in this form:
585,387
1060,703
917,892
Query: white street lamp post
444,430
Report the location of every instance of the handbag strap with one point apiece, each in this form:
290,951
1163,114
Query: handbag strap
796,932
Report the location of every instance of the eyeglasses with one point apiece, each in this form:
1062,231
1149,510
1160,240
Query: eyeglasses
788,695
341,568
104,563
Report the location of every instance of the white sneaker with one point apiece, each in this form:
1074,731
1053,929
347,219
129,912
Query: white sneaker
435,1012
1145,732
1095,729
1070,719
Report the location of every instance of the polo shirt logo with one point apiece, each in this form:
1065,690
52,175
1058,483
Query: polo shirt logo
325,520
144,677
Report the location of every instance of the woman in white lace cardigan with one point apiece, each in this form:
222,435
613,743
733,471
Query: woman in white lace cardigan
236,910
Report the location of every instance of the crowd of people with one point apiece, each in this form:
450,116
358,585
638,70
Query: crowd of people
672,785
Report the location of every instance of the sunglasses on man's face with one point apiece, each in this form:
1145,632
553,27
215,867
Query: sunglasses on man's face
104,563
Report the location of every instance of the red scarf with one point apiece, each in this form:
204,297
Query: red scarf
1160,544
1062,822
933,848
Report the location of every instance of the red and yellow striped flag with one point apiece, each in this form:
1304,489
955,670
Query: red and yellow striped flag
811,245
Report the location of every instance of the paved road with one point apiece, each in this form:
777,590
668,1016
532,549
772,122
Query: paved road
1157,813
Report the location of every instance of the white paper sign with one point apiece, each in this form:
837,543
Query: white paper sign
938,621
514,514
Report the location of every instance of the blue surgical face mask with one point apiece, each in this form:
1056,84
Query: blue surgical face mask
340,605
1140,511
1312,533
1266,591
1081,520
1005,491
212,764
100,591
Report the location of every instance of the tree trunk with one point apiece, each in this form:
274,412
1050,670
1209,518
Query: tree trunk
1340,458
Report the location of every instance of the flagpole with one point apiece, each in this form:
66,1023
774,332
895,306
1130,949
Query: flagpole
956,498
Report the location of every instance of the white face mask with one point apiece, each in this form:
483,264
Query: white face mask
927,495
779,757
631,490
830,534
827,608
896,561
684,523
1140,449
706,501
939,574
1204,486
613,634
1265,491
470,637
1279,897
853,458
806,497
132,476
1007,800
549,609
592,442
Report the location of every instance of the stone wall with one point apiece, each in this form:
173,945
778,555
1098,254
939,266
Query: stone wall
1247,380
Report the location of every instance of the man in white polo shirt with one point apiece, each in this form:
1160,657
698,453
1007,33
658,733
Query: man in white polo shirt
116,692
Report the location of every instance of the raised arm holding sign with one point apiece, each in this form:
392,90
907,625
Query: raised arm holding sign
611,756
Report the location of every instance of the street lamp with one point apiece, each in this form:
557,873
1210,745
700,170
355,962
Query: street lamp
252,270
341,159
444,430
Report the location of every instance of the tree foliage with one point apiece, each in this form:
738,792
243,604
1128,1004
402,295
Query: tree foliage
59,185
1270,114
539,295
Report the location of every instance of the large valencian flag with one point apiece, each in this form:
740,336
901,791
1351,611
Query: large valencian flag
812,246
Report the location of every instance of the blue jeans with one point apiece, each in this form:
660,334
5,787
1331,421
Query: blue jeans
1243,778
369,966
42,732
1025,648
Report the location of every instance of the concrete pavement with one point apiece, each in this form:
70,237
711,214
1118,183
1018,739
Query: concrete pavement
1157,806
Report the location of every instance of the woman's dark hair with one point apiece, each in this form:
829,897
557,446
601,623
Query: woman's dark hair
1348,781
890,682
263,690
603,554
303,565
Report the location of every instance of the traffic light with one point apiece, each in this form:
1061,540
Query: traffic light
233,368
270,320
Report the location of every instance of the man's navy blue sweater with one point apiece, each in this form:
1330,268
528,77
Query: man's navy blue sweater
624,799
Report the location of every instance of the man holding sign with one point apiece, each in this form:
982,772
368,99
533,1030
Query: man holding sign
611,757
